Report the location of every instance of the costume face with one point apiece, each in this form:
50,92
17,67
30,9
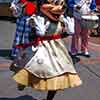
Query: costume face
53,9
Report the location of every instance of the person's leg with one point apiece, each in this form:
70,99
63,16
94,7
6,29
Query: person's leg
51,95
98,29
84,41
75,38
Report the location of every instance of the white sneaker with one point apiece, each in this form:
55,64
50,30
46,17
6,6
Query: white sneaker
86,54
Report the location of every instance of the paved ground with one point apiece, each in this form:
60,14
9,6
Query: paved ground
88,69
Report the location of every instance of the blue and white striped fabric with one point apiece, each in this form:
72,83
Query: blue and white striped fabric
21,34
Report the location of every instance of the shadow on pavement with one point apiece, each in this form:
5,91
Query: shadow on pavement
75,59
25,97
6,18
5,53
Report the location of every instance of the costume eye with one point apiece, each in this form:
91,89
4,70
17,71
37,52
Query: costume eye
56,2
60,2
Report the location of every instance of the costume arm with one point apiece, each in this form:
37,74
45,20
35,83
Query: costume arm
93,5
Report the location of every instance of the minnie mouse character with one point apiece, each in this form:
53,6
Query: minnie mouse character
49,67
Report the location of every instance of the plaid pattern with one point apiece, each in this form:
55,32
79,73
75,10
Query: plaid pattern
21,34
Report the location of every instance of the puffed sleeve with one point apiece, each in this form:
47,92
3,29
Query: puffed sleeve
93,5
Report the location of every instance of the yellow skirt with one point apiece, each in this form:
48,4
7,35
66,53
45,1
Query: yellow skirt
66,80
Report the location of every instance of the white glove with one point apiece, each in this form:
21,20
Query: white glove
13,6
69,24
39,24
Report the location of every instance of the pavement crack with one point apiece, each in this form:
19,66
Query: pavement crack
90,70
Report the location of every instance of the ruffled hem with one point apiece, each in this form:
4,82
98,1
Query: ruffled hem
67,80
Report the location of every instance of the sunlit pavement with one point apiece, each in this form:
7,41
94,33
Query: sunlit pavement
87,68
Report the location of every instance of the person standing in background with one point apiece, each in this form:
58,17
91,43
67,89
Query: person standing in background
21,9
79,8
98,8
